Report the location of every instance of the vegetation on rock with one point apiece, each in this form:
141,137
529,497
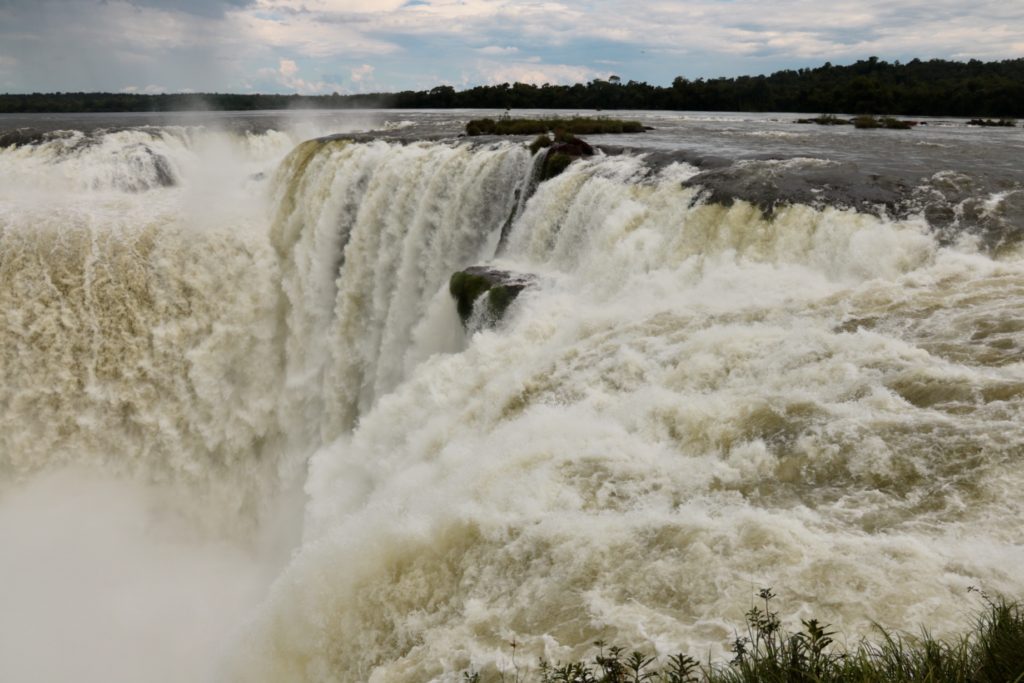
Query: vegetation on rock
827,120
1001,123
497,287
865,121
565,149
882,122
539,143
575,126
992,652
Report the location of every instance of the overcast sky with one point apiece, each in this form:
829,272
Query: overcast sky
316,46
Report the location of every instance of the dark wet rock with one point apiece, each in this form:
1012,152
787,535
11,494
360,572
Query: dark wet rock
143,160
658,159
953,206
563,152
769,185
164,174
573,146
499,287
21,137
521,195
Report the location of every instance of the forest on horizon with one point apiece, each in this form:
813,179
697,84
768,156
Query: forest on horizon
917,88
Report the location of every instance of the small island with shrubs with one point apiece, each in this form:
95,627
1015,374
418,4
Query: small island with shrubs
862,122
993,123
577,125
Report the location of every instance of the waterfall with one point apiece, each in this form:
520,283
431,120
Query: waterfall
368,235
690,400
687,401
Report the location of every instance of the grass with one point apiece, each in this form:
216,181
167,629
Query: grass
991,652
575,126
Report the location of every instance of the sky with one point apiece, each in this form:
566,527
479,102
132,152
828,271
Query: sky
351,46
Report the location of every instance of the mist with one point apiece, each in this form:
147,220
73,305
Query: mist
105,580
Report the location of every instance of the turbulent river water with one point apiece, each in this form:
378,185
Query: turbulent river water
244,435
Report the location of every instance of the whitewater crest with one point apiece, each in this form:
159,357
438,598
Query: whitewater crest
691,401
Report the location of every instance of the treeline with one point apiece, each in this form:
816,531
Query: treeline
872,86
88,102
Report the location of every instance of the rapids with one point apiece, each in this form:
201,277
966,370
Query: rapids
239,402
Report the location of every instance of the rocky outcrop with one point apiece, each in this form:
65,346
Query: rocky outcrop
564,151
498,288
771,184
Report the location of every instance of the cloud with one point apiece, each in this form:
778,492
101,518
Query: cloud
794,29
227,44
532,72
147,90
288,68
111,45
331,6
497,50
287,76
361,73
805,29
307,35
202,8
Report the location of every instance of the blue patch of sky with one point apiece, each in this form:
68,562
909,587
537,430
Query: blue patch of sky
202,8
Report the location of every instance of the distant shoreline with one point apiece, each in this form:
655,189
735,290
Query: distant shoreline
872,86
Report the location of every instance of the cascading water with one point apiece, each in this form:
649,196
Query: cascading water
688,402
367,235
694,401
136,336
